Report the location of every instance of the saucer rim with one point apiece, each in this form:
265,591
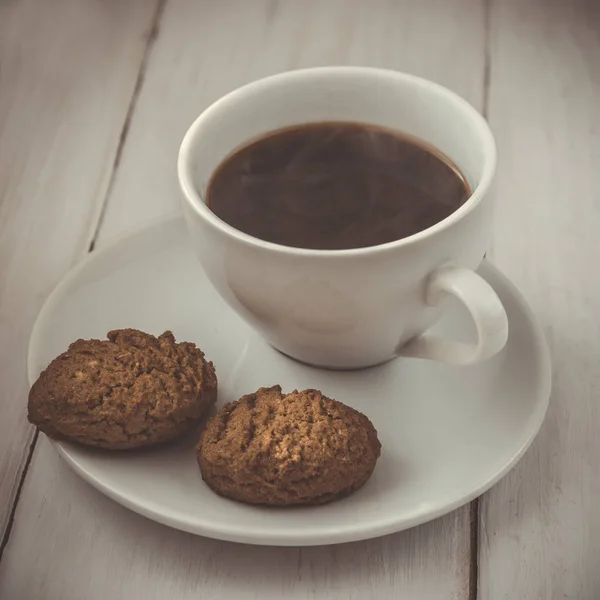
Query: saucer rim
358,531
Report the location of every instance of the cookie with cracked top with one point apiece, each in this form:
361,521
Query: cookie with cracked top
287,449
129,391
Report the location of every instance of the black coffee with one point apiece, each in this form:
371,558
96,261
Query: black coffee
335,186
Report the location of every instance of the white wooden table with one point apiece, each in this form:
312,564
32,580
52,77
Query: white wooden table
95,96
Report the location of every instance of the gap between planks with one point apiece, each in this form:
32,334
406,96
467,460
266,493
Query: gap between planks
152,37
474,507
13,509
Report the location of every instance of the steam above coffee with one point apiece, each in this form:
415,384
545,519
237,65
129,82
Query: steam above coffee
334,186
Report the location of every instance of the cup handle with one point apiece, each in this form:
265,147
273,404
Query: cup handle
486,311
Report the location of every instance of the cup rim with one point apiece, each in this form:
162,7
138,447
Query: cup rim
201,209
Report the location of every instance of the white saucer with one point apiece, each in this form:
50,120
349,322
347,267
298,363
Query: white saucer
448,433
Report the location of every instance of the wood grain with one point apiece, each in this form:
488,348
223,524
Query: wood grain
540,527
83,545
67,71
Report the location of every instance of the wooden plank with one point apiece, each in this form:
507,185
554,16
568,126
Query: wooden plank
540,527
203,50
67,73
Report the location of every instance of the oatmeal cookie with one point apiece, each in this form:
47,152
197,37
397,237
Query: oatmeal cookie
287,449
129,391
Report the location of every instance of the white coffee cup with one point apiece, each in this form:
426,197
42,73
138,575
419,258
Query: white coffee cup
359,307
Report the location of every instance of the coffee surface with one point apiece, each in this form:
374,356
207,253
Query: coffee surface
334,186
